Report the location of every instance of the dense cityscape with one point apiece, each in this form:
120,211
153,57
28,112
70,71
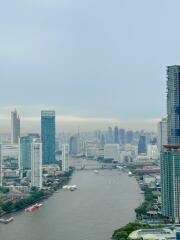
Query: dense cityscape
89,120
35,165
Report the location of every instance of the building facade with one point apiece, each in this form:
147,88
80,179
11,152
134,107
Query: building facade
162,134
36,163
15,127
170,182
25,152
65,157
48,136
173,104
170,155
142,148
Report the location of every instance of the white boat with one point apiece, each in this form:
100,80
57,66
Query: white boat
6,221
96,171
70,187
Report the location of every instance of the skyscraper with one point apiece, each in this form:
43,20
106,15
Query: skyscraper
25,152
74,145
173,104
65,157
116,135
15,127
129,137
170,156
122,136
142,149
36,163
162,133
48,136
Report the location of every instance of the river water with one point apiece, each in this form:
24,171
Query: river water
102,203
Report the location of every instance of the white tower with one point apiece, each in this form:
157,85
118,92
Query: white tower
15,127
36,163
65,157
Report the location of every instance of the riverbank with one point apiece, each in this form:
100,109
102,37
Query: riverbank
36,195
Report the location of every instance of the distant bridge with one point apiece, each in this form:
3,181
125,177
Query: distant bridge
93,166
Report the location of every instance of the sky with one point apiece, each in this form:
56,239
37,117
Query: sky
96,62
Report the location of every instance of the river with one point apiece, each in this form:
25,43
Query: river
102,203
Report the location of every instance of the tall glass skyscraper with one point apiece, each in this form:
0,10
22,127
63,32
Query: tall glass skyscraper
173,104
25,152
142,149
170,155
48,136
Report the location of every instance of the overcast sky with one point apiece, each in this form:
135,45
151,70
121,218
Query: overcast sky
93,61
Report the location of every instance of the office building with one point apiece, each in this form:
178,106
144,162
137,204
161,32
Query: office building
162,133
65,157
170,182
142,149
173,104
25,152
170,156
36,163
122,136
111,152
110,135
129,137
75,145
116,135
48,136
15,127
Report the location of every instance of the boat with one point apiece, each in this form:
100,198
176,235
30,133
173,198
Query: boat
96,171
70,187
33,207
6,221
130,174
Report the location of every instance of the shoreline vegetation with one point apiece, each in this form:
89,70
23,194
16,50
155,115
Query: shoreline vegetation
150,199
35,195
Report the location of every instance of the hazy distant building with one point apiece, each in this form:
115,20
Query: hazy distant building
74,145
162,133
122,136
110,135
142,149
111,152
15,127
65,157
48,136
36,163
129,137
116,135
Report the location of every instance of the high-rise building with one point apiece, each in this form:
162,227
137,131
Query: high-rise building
170,181
65,157
173,104
129,137
116,135
142,149
110,135
111,152
15,127
122,136
36,163
162,133
170,156
74,145
25,152
48,136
